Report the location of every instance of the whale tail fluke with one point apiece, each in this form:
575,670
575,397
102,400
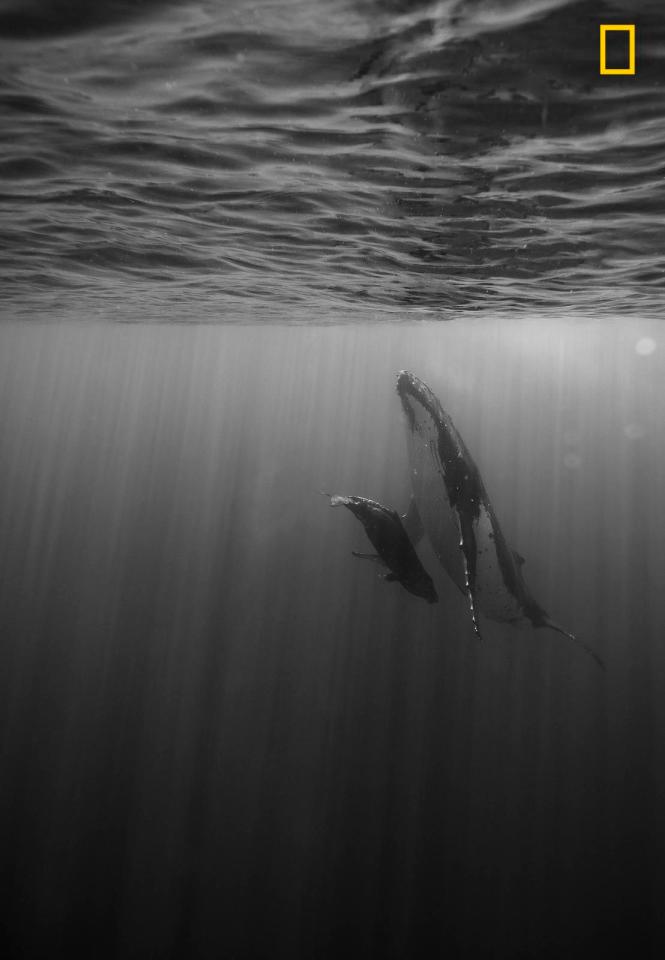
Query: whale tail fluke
551,625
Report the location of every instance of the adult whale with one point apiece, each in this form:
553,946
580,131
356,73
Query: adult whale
393,547
459,519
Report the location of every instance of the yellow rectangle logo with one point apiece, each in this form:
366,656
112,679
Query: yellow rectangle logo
628,28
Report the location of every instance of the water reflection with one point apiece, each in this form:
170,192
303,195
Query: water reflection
314,161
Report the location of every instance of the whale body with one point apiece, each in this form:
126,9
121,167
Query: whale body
459,519
394,550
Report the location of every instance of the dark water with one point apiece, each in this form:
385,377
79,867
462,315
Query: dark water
220,734
224,736
302,159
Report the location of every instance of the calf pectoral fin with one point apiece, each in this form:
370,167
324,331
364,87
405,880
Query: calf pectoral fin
374,557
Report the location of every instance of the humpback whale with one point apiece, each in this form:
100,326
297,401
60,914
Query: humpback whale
393,547
459,519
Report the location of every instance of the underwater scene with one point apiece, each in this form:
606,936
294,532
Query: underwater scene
332,379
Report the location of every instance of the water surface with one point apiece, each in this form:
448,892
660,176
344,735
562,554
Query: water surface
301,160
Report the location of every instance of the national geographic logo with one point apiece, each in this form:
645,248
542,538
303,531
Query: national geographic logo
623,48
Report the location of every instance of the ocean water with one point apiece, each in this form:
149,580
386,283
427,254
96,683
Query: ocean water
224,735
225,228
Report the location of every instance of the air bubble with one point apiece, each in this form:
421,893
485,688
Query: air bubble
645,346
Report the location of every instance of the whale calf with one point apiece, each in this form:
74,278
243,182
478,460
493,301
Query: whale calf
459,519
394,550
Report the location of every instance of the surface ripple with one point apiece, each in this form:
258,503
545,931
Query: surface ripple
311,161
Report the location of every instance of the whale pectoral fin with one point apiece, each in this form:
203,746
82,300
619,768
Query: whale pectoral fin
467,545
374,557
519,559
